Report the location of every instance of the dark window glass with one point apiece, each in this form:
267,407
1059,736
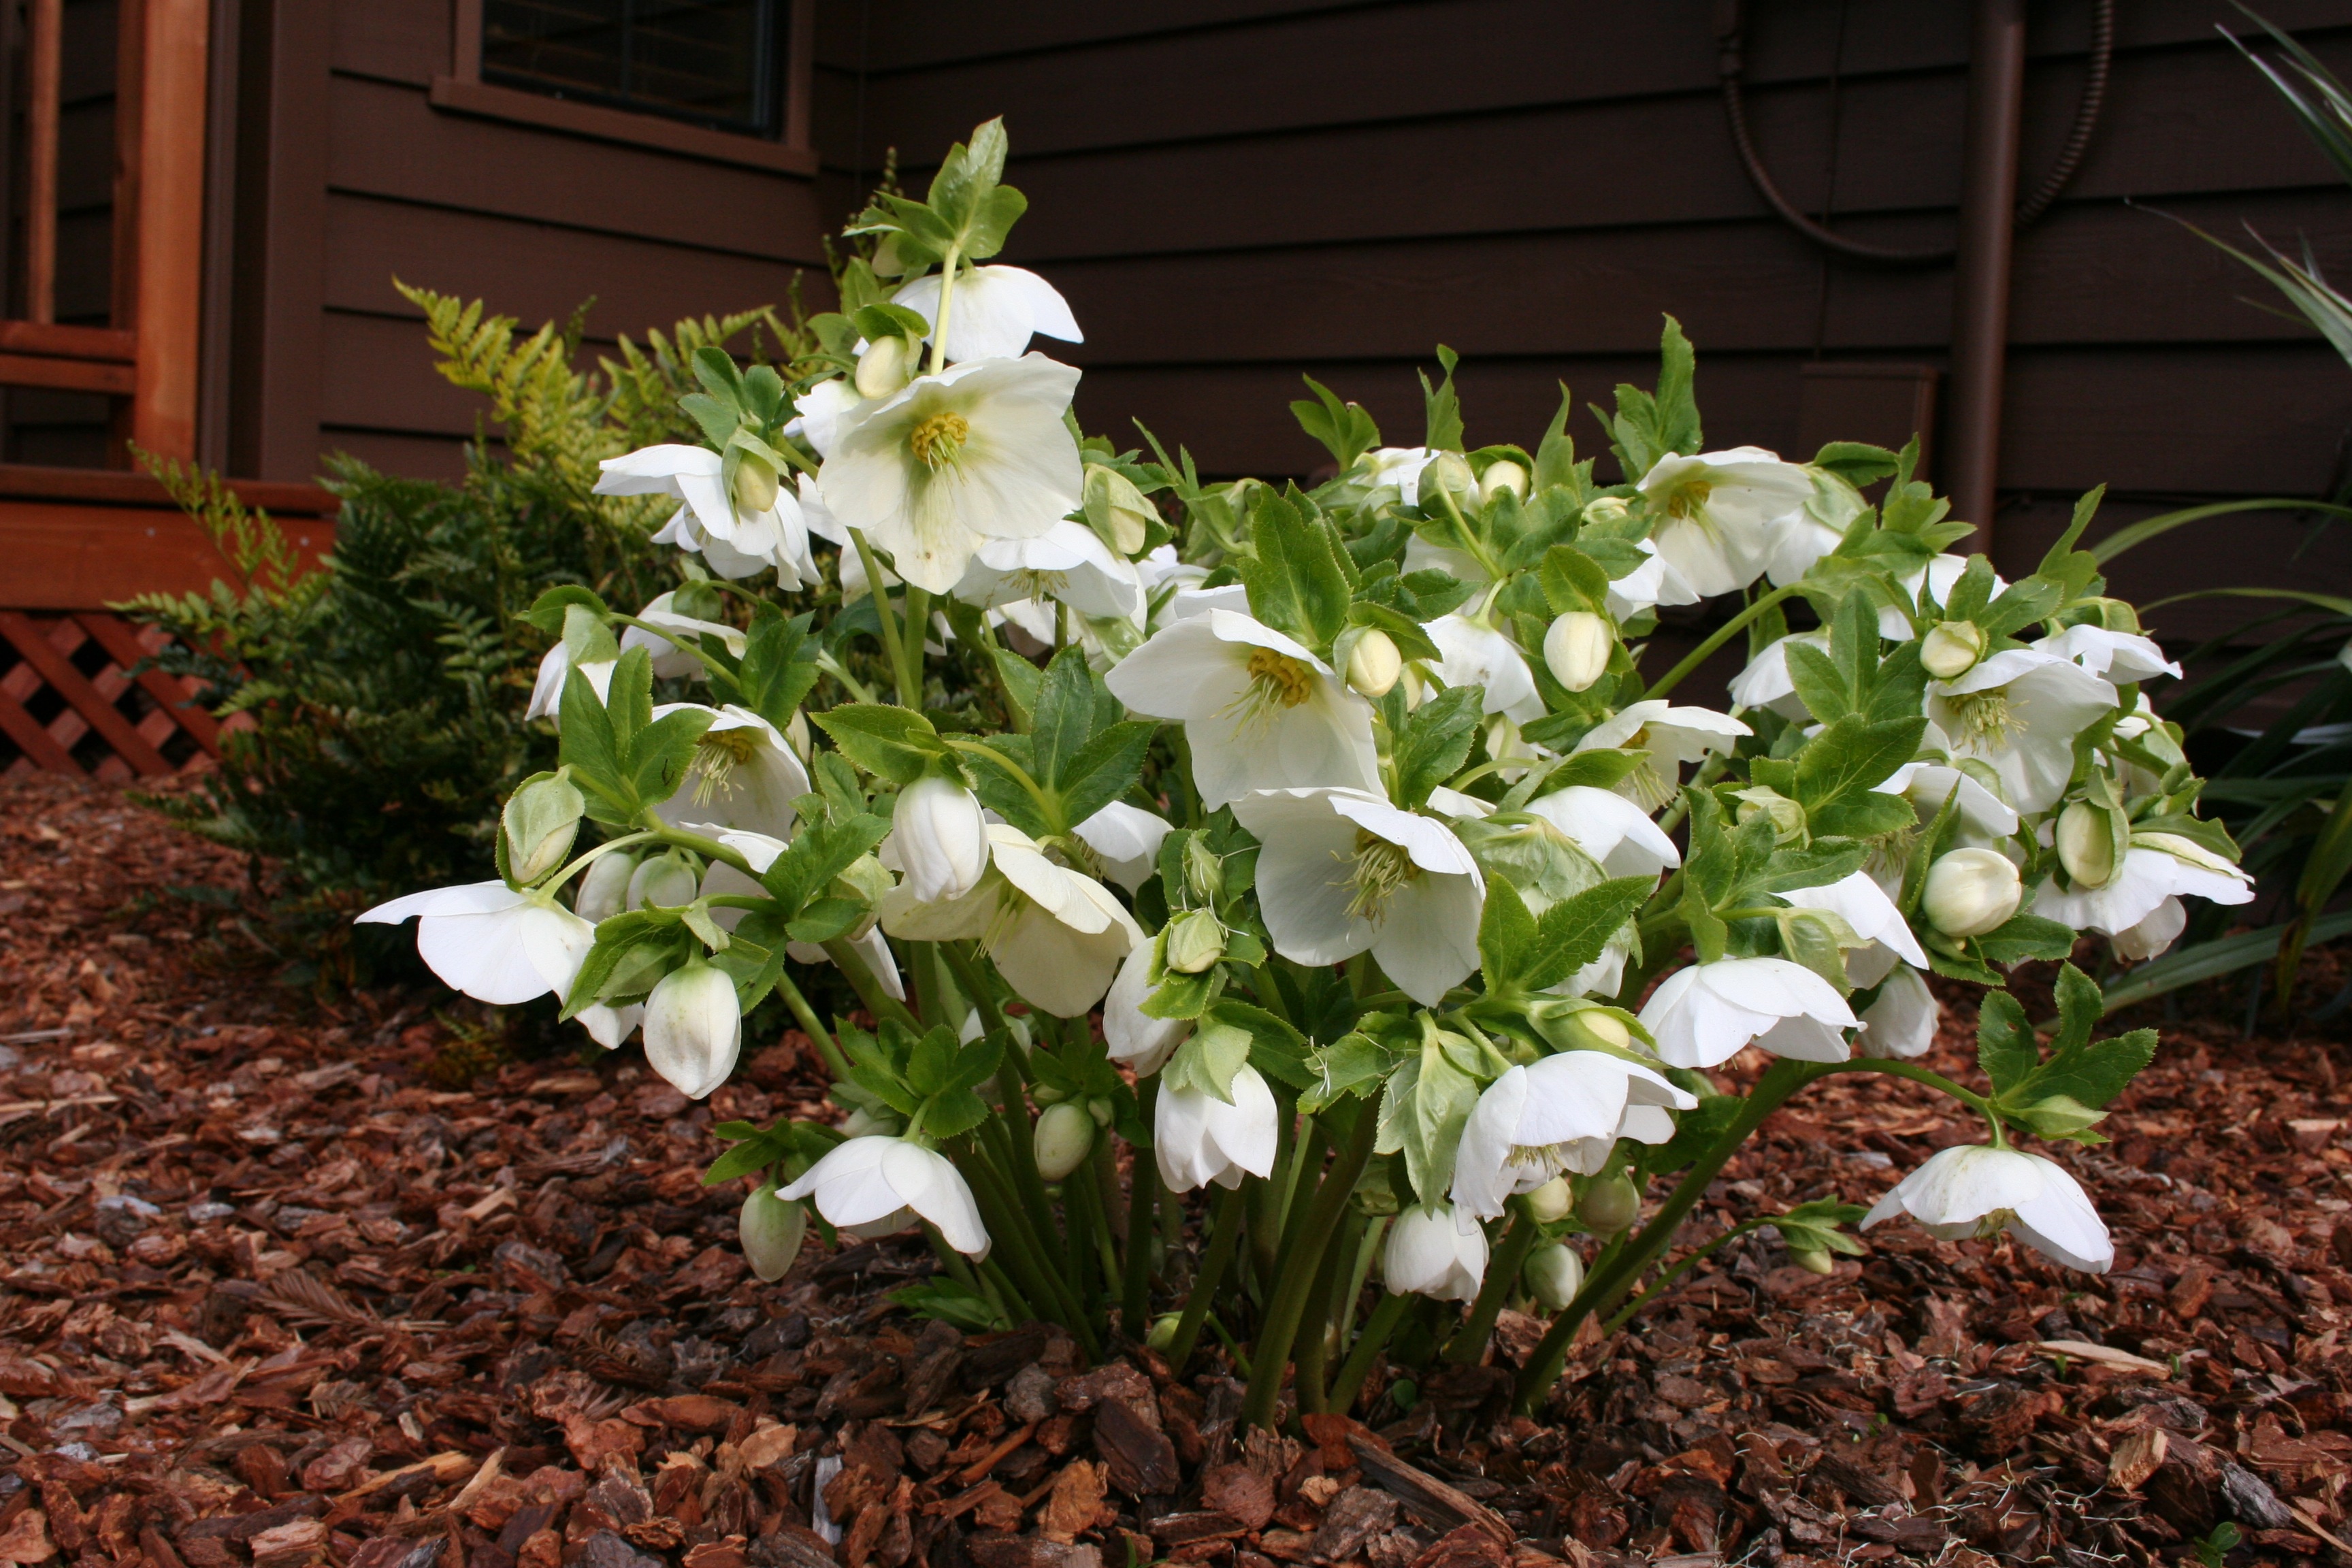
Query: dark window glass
709,61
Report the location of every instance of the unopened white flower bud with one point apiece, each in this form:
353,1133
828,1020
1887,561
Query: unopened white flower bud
668,880
771,1228
1814,1258
1163,1331
1605,511
540,822
887,364
2086,845
1951,648
694,1029
1610,1203
1554,1275
1121,514
796,734
1065,1133
1195,940
755,485
940,838
1551,1202
1577,648
1448,474
1374,664
1972,891
604,890
1501,475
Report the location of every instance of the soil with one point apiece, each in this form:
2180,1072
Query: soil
289,1281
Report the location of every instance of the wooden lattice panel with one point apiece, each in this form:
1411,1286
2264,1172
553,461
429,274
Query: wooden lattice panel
69,704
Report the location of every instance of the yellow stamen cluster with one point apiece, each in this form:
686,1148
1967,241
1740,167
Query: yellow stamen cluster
1379,870
1981,717
1689,499
936,441
717,755
1280,677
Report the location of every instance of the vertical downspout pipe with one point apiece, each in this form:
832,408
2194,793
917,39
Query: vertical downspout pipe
1980,291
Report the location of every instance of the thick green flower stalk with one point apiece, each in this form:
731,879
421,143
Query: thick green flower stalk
1418,911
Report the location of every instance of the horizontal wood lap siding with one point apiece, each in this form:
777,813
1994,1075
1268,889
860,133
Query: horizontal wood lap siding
531,220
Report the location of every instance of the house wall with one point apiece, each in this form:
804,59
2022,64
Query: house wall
348,176
1233,191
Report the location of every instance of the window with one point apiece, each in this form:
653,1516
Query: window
708,62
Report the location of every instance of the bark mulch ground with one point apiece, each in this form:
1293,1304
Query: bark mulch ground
284,1283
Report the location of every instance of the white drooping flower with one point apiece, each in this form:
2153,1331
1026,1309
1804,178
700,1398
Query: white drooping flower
1199,1139
1864,907
694,1029
2124,658
1259,710
2158,930
1564,1112
1069,562
993,311
1984,818
1703,1015
1902,1022
1720,513
2020,710
2142,882
1978,1189
670,661
736,542
1475,653
1811,531
878,1187
495,944
1343,872
744,774
827,410
1125,840
1672,736
555,667
1617,833
1132,1036
1398,466
979,451
1057,936
760,852
1766,683
939,840
1653,583
1431,1251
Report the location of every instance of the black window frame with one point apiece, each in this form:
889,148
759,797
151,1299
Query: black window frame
770,85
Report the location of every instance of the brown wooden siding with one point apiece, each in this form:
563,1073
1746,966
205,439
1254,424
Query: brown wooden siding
1231,191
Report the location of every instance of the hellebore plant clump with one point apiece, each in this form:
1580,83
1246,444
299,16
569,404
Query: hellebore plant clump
1352,810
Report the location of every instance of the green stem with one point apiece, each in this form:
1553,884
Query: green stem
1377,1330
947,297
1315,1326
1676,1270
918,619
909,686
805,1015
1609,1282
1469,1341
1016,1305
1225,1233
601,850
1142,1195
1722,634
1301,1266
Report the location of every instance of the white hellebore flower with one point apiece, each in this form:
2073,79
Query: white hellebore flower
1647,586
1199,1139
760,851
1673,736
1978,1189
493,944
1132,1036
1767,683
1971,892
993,311
1720,513
1563,1114
744,774
1398,466
1863,905
1259,710
1985,819
2020,710
2124,658
670,661
1056,935
2153,871
1815,528
736,542
1902,1022
1125,840
2158,930
827,410
555,667
694,1029
1431,1251
979,451
1342,870
876,1186
1702,1015
1069,562
1475,653
939,839
1618,835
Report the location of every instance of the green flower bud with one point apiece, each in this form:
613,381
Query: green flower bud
1118,511
1551,1202
1606,511
1163,1331
1554,1274
1204,871
1374,664
887,364
1972,891
1501,475
2087,844
1816,1259
1610,1203
2060,1115
771,1228
1449,474
668,881
539,823
755,485
1195,940
1951,648
1065,1133
1788,816
604,890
